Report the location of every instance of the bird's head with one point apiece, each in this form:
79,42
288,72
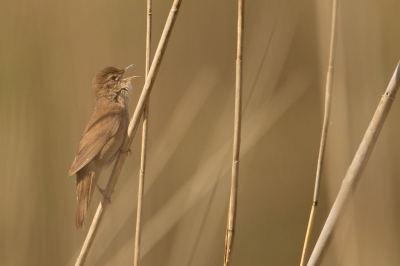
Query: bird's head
108,84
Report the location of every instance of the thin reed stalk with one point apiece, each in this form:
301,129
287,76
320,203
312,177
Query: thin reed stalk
325,126
230,230
133,125
356,168
144,145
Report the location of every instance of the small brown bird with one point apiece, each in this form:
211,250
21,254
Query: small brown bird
103,137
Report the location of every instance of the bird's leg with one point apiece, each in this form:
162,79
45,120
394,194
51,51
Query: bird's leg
103,192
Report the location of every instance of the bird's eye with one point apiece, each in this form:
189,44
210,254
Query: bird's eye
113,77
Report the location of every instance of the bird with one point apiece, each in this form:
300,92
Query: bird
103,137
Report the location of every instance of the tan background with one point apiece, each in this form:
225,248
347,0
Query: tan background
49,53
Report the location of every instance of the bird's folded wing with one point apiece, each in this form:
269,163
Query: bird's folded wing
100,129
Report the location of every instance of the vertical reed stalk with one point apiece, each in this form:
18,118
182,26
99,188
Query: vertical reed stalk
325,125
356,168
230,230
133,125
144,145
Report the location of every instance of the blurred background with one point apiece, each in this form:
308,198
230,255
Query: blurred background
49,54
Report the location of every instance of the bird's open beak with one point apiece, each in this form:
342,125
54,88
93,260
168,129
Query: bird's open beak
133,77
128,67
126,83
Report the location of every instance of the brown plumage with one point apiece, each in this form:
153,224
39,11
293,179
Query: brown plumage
103,136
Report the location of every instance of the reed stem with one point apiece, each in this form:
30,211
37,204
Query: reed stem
356,168
230,230
144,145
325,126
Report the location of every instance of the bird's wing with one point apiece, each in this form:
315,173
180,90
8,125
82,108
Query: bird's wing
100,129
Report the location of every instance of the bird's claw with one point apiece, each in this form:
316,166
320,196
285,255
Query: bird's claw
103,192
128,151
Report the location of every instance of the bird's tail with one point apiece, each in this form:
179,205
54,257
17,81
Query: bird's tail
85,184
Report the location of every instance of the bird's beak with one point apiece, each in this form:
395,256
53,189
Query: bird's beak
133,77
126,83
128,67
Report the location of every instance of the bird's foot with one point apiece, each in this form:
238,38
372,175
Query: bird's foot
128,151
103,192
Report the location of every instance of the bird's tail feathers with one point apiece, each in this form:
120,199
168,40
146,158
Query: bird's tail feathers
85,185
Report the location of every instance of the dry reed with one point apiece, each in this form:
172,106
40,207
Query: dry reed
356,168
325,126
144,144
230,230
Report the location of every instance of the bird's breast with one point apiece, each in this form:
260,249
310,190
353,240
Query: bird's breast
112,147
